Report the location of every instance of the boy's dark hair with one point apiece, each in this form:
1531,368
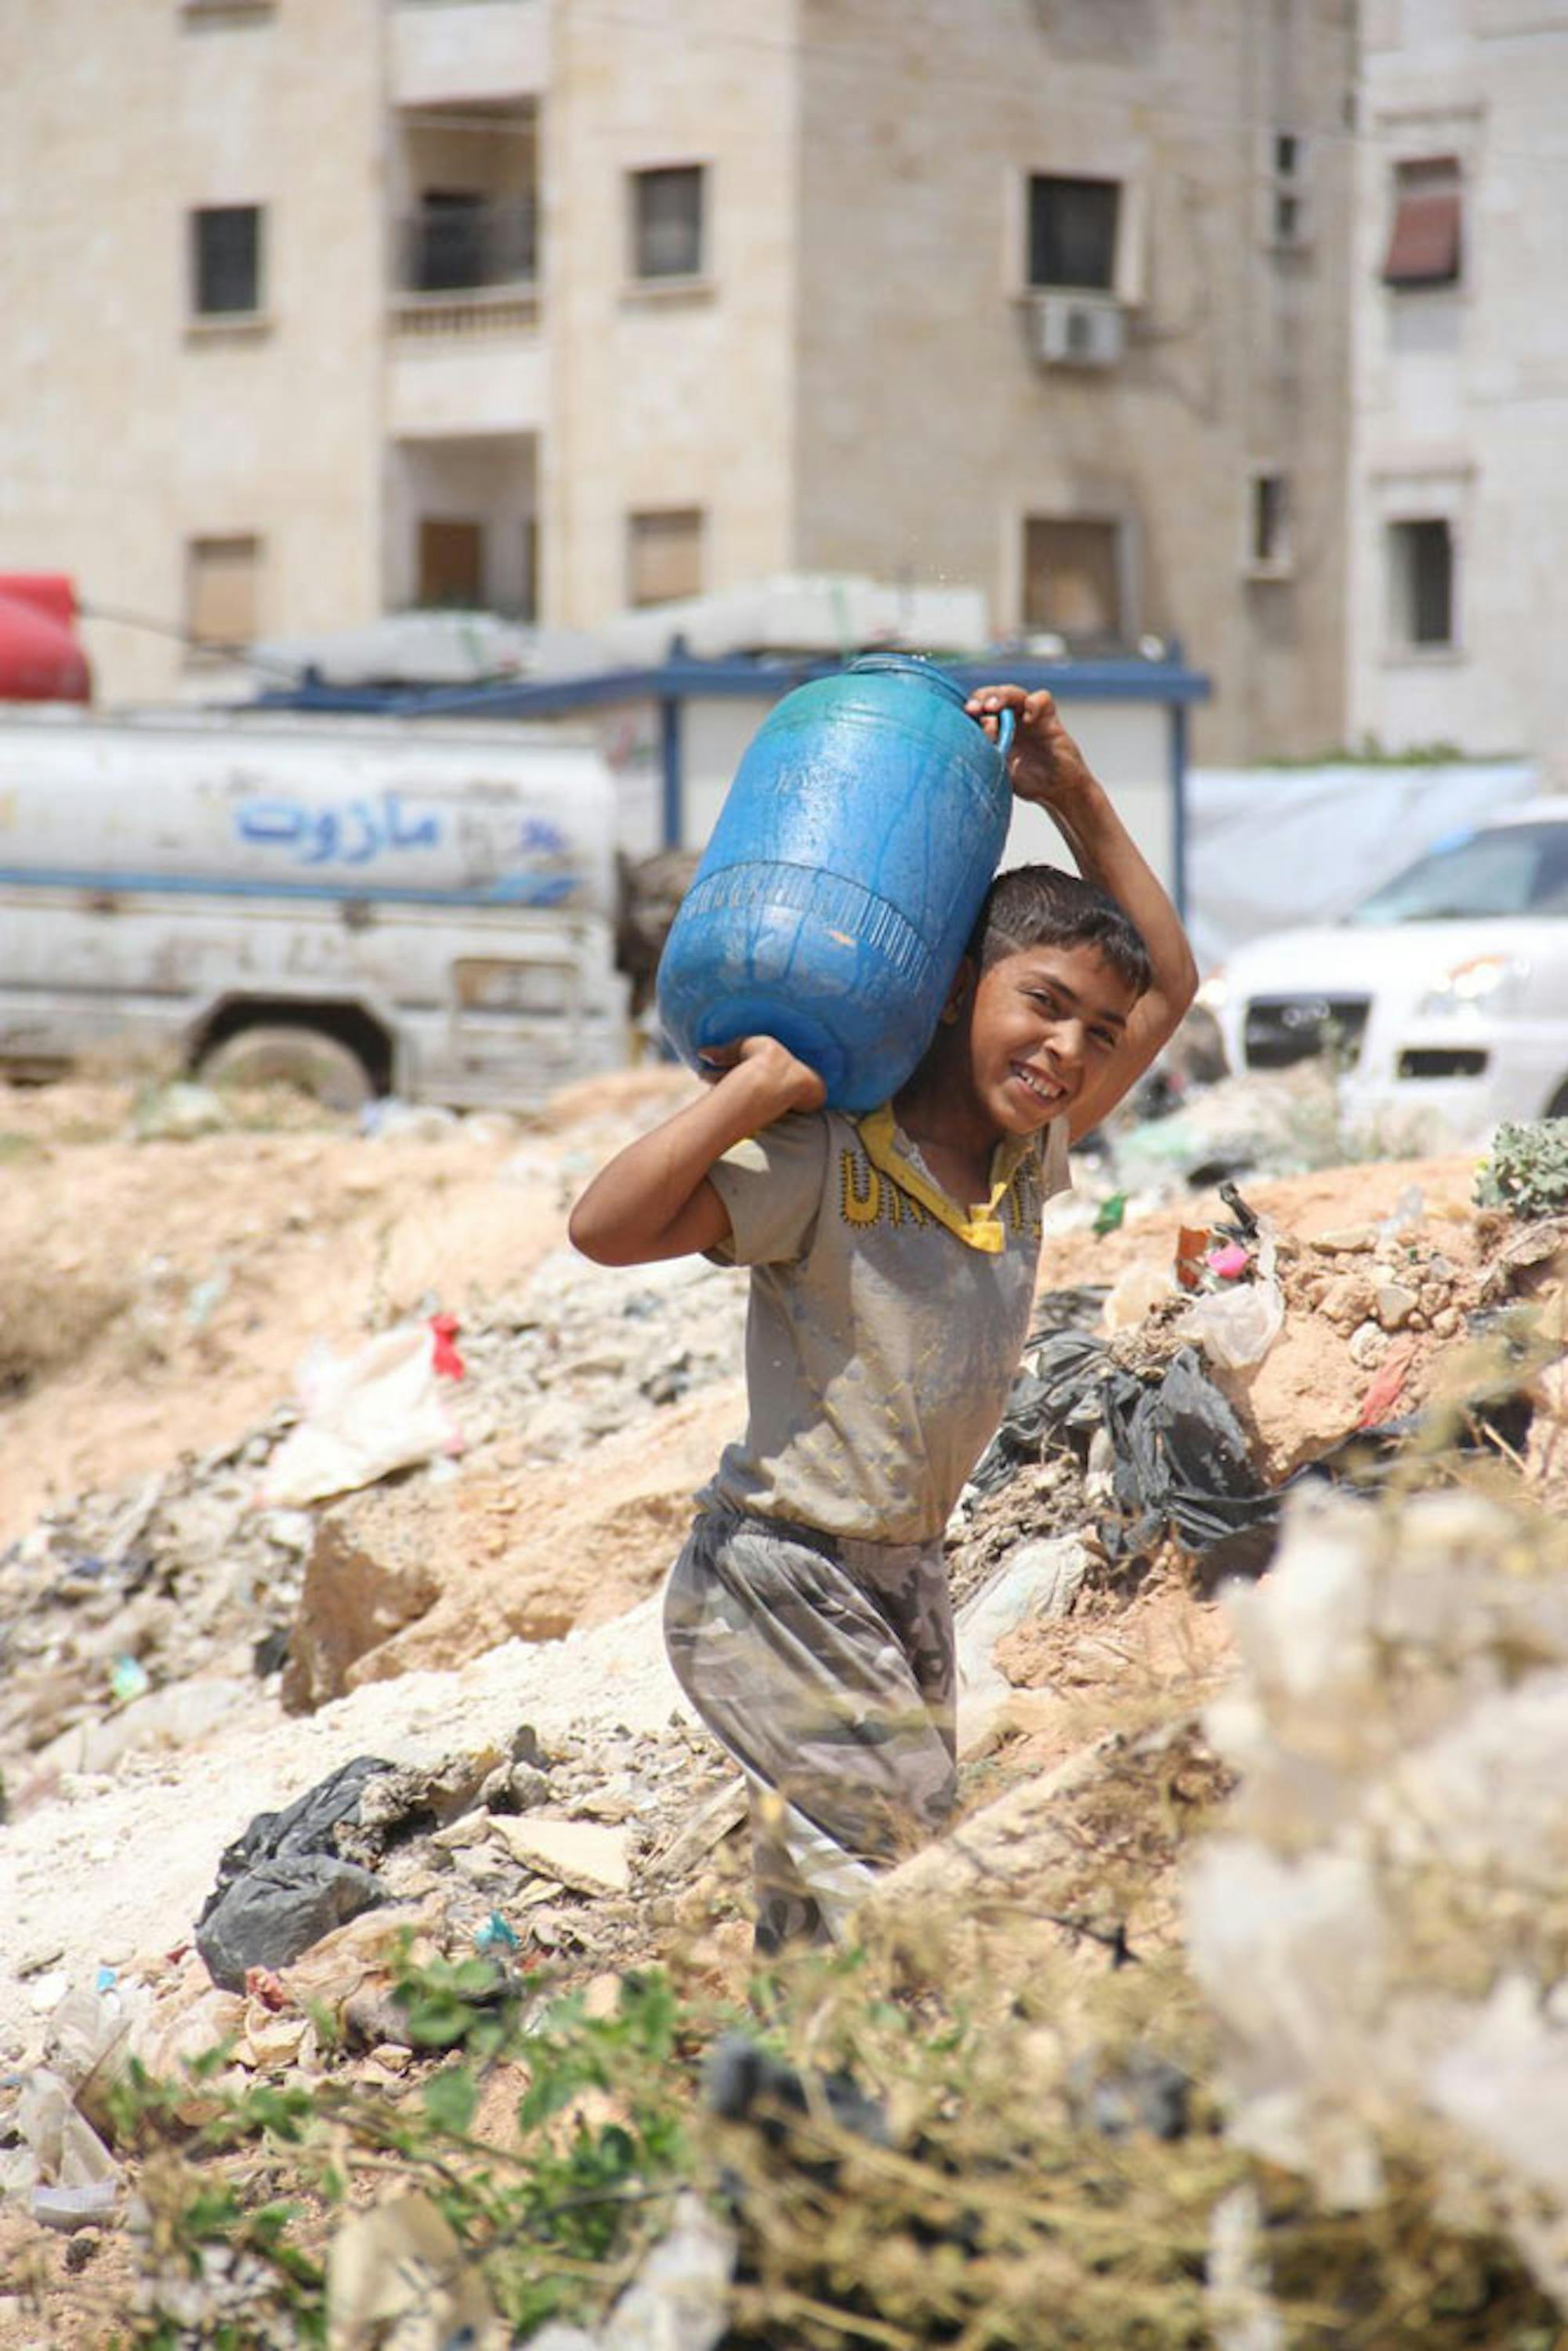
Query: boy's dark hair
1041,907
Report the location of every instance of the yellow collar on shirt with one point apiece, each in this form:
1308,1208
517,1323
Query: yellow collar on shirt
982,1227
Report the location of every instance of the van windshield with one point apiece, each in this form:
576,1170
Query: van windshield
1519,869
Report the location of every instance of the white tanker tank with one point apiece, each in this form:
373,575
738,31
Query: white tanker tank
365,904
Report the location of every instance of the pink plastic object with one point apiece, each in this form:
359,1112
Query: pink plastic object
444,1357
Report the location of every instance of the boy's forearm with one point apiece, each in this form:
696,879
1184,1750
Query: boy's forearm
630,1207
1046,767
1108,856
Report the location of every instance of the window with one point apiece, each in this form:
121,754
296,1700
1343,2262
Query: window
221,12
1269,524
1514,869
223,581
664,555
1421,583
226,261
1288,219
451,562
449,240
667,221
1072,578
1072,229
1424,244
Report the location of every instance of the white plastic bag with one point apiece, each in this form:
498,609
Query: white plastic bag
1236,1327
364,1416
1138,1289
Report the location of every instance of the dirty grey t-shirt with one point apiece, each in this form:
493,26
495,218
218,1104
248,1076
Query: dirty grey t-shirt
885,1322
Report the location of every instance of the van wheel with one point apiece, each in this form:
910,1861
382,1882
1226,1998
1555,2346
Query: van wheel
322,1066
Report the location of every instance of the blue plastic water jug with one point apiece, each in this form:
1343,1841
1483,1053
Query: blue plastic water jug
842,879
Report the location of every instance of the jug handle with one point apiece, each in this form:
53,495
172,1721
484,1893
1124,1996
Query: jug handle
1006,728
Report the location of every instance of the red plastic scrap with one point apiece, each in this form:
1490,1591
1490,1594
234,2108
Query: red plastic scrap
445,1358
1387,1385
1229,1260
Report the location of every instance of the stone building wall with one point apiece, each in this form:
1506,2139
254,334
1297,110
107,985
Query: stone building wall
127,431
1462,388
929,428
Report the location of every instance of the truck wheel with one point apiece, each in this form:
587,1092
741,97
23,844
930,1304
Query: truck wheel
320,1066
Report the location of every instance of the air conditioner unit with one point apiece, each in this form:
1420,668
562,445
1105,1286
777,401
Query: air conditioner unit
1078,330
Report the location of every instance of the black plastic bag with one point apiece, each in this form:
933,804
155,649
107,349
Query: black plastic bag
282,1884
1182,1461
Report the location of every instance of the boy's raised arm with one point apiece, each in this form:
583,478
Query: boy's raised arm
1046,767
654,1200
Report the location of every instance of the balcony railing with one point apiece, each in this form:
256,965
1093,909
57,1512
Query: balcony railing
466,248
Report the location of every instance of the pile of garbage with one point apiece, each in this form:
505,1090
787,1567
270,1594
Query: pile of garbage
576,1852
132,1619
1381,1923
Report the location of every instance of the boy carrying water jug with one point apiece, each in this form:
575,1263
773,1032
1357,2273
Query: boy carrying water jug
893,1264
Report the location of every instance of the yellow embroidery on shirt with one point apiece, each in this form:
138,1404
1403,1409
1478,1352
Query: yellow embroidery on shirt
860,1189
981,1227
902,1208
1027,1198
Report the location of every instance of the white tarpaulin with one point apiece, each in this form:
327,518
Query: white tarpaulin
1271,848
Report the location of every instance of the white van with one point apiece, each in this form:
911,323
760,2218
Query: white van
367,906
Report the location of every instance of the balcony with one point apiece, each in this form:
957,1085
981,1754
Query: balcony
458,245
442,50
465,355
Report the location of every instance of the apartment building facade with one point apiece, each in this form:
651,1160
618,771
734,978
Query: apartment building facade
1457,499
322,308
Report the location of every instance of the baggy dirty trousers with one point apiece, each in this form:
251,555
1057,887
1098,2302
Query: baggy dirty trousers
825,1664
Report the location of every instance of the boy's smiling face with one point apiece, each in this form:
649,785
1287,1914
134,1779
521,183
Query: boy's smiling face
1043,1023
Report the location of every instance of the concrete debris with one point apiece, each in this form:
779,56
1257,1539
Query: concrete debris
595,1349
350,1603
175,1573
398,2274
706,1827
582,1854
184,1574
69,2209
